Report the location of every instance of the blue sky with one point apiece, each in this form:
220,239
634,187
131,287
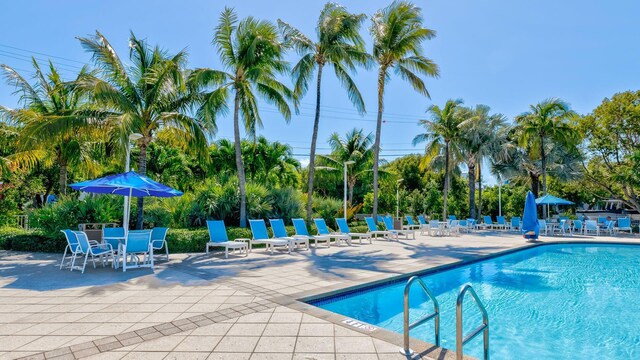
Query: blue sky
506,54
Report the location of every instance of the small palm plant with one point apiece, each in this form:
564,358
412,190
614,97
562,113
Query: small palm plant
398,33
339,45
252,52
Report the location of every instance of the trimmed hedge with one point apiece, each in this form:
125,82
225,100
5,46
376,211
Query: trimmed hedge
179,240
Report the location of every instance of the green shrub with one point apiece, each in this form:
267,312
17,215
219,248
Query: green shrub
30,240
286,204
327,208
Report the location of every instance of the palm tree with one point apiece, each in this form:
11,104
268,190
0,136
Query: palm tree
53,111
144,97
546,121
398,34
253,54
356,147
340,45
482,135
443,138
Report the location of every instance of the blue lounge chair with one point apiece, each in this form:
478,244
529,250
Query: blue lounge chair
261,236
452,217
501,223
411,225
138,243
72,247
218,238
488,223
624,224
434,228
344,229
302,231
591,226
388,224
373,229
280,232
515,223
159,239
323,230
88,248
578,227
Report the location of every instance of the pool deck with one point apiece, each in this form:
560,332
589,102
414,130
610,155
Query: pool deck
200,306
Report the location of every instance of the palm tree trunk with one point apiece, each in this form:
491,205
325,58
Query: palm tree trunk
479,191
535,184
543,163
142,170
376,145
312,153
62,178
351,184
446,181
472,189
239,165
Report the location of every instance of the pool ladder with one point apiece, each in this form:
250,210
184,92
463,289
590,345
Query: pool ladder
460,339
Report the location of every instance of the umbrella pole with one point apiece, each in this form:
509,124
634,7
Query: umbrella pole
127,212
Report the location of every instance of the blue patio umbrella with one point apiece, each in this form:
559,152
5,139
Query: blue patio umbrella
126,184
552,200
530,226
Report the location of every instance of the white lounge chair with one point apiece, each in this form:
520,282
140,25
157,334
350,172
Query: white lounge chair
373,229
261,236
344,229
303,232
280,232
218,238
323,230
388,224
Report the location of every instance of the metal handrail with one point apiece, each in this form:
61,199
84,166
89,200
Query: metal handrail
435,315
484,328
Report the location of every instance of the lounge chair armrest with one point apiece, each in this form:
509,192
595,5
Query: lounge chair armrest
93,242
106,246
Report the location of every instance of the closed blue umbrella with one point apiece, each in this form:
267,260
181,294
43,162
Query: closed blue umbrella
530,226
126,184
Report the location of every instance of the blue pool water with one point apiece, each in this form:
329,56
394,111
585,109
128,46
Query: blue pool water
565,301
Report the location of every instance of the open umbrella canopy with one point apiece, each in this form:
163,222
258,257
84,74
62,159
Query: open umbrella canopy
530,225
552,200
127,184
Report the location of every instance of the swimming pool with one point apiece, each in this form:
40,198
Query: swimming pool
560,301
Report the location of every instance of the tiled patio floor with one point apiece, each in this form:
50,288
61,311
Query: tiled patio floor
205,307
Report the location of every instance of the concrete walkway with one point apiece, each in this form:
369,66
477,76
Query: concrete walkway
201,306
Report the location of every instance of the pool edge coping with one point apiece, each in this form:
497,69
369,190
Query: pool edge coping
300,301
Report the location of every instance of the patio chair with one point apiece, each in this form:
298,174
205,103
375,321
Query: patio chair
578,227
463,225
565,227
138,243
609,227
218,238
472,224
302,231
159,239
344,229
323,230
454,227
411,225
452,217
373,229
89,248
72,247
624,224
543,226
591,226
280,232
113,236
434,228
424,224
388,224
488,223
261,236
515,224
501,223
602,220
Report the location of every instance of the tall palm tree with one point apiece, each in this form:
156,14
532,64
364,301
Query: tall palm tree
145,96
443,137
356,147
482,136
339,45
53,111
398,34
253,54
547,121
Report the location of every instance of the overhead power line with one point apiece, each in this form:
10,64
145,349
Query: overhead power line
44,54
